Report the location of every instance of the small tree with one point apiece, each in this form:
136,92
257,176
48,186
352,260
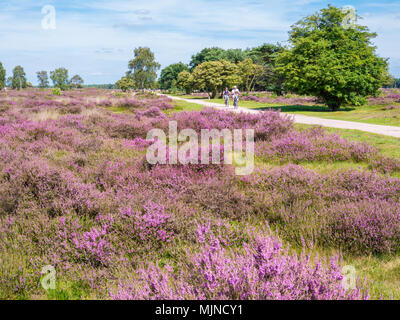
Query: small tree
43,79
185,81
213,76
2,76
249,73
19,78
125,84
169,75
76,82
143,68
60,78
331,61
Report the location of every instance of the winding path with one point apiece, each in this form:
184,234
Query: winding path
340,124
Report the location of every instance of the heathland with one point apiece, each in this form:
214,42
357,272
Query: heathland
77,193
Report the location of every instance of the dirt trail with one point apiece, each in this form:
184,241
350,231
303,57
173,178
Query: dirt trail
340,124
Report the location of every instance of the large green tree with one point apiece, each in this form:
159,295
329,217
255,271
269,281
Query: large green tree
2,76
169,75
43,79
143,68
19,78
60,78
213,76
328,60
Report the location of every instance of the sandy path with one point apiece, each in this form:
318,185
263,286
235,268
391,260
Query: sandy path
340,124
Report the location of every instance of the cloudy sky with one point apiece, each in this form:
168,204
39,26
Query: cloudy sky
96,38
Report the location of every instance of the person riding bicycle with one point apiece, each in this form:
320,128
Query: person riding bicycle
235,96
226,97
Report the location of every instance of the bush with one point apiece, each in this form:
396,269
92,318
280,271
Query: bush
57,92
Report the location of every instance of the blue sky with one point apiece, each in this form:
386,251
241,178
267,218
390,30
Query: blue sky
96,38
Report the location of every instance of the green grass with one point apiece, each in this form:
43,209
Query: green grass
365,114
382,274
69,291
180,105
119,109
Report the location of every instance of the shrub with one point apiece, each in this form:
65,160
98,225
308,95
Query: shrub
57,92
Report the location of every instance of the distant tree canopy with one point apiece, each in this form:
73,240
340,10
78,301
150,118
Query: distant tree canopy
213,76
125,84
327,60
143,68
394,84
76,82
43,79
60,78
2,76
262,57
217,54
101,86
19,78
169,75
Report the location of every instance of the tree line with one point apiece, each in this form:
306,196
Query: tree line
325,58
59,77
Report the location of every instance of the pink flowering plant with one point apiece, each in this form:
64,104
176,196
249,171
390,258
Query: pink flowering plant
77,193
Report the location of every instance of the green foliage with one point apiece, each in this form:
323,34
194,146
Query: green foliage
337,64
169,75
60,78
217,54
2,76
101,86
214,76
185,81
266,56
143,68
43,79
125,84
19,78
56,91
76,82
249,72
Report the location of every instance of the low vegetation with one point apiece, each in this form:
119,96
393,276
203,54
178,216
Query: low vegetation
76,193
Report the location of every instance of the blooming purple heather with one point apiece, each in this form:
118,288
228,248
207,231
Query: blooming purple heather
77,193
